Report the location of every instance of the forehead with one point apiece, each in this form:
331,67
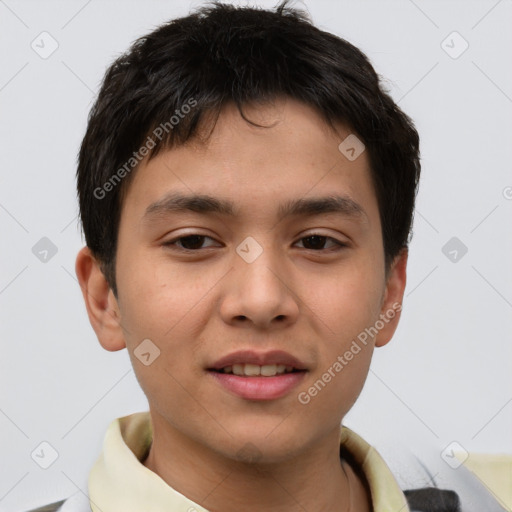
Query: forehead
249,170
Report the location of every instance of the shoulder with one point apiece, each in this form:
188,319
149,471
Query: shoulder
51,507
451,488
76,503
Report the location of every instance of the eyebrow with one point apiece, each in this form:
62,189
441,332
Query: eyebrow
205,204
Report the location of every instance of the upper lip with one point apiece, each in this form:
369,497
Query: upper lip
258,358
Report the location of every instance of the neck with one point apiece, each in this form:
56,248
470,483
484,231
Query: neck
316,480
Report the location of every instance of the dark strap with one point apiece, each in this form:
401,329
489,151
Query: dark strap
52,507
431,499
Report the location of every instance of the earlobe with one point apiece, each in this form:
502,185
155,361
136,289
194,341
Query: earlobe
393,297
102,307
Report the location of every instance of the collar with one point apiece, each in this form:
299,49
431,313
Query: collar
119,481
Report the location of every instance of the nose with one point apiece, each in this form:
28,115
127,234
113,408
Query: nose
260,293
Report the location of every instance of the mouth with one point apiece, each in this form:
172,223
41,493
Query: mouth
251,363
258,376
254,370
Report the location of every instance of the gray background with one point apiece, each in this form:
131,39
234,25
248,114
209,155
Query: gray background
445,377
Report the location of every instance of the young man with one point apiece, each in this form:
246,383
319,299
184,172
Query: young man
246,192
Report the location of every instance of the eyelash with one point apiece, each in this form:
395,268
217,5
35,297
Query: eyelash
172,243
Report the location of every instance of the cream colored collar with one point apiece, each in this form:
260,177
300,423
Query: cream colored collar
119,481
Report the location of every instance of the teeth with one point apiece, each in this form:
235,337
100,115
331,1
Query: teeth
253,370
238,369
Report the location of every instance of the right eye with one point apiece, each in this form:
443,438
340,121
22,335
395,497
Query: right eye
188,243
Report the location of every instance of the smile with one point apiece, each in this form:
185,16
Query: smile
254,370
251,383
254,375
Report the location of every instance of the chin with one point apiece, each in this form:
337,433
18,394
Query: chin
269,445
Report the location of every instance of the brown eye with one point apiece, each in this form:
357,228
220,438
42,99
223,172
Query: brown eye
317,243
188,243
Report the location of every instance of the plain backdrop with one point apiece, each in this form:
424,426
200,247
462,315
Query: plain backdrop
445,377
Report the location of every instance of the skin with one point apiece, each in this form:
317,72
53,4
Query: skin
310,301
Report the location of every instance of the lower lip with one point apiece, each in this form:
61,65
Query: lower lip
259,388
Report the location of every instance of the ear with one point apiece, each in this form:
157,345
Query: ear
101,304
392,299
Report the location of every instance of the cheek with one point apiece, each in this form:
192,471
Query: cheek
155,296
348,300
336,385
348,303
163,316
152,310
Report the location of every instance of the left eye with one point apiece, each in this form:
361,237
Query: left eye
315,242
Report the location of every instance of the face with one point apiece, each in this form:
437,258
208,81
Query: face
265,272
